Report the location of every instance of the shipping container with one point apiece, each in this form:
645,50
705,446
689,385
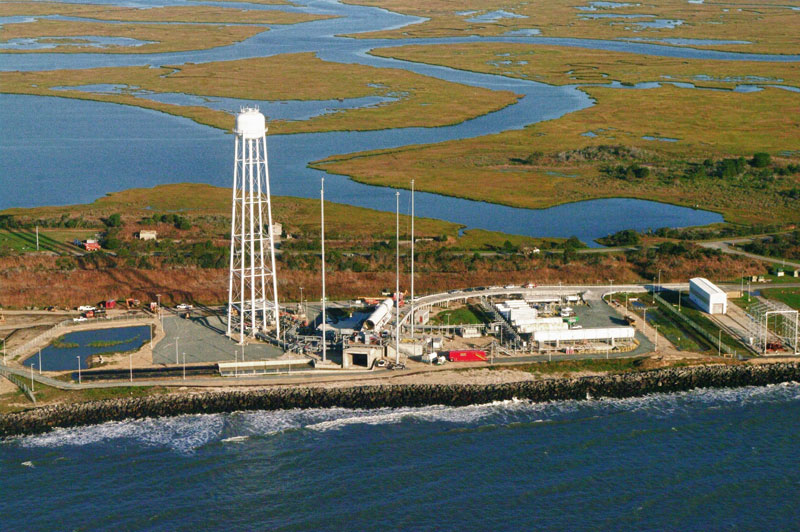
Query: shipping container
469,355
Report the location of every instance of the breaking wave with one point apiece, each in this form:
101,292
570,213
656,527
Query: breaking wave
185,434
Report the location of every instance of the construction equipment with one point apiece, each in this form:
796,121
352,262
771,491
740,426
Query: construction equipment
131,303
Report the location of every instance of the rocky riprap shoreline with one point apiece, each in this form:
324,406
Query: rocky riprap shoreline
43,419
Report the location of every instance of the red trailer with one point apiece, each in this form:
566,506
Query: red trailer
107,304
469,355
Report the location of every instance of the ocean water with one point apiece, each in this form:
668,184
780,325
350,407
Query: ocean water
701,460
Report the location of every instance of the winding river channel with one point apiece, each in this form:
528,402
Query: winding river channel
63,151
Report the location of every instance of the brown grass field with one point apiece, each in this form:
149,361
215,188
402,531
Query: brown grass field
296,214
165,38
22,279
561,65
200,14
772,28
423,102
706,124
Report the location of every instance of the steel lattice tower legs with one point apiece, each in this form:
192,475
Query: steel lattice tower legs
252,286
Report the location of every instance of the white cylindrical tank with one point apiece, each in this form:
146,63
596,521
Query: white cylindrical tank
250,124
380,316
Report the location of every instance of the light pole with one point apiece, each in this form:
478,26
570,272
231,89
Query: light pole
719,343
158,298
176,349
130,365
32,390
679,299
301,301
397,283
4,352
40,361
656,327
413,318
184,366
659,281
79,368
322,233
644,321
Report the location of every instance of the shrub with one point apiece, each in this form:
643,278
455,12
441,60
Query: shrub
115,220
760,160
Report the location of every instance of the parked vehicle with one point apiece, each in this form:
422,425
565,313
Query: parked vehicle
80,318
184,306
85,308
467,355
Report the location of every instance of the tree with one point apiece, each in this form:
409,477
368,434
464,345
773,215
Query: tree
115,220
760,160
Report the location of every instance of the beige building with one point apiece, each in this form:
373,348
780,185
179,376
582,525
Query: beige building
147,235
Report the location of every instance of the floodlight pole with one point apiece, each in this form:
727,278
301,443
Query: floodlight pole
322,214
413,322
397,282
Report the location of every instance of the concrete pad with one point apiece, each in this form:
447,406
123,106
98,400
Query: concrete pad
203,339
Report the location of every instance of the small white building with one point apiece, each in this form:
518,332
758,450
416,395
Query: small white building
469,331
604,334
147,235
707,296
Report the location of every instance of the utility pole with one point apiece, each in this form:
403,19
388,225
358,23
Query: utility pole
397,281
644,321
656,326
322,213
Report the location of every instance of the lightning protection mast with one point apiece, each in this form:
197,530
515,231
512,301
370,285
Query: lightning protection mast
252,287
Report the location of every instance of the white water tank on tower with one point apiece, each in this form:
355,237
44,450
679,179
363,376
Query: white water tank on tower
252,285
250,124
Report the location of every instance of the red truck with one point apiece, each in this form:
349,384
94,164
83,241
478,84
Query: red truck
468,355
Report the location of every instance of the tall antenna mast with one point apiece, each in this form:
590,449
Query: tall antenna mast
397,285
322,211
413,323
251,277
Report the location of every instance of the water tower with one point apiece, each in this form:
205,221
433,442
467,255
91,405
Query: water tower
252,287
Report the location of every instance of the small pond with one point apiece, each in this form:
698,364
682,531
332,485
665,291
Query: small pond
62,353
